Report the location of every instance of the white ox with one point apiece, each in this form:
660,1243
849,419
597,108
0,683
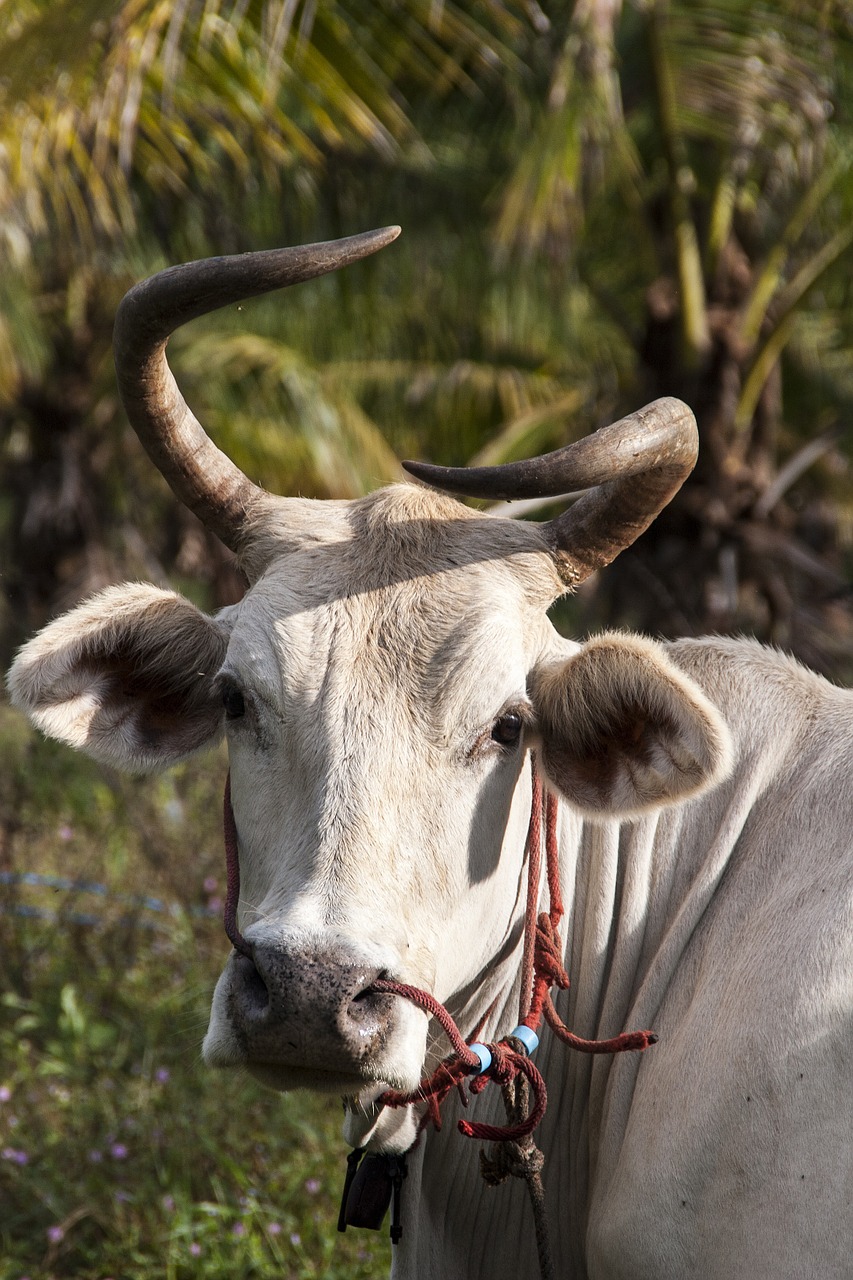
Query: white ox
381,686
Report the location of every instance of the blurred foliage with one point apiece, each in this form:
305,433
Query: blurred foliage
601,203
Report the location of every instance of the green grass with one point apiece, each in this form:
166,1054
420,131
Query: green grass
120,1154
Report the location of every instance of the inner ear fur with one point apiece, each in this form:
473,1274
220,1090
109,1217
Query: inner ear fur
127,677
624,730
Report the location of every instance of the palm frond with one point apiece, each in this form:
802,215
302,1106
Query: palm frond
578,142
301,428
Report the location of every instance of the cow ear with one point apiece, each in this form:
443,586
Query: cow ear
127,677
623,730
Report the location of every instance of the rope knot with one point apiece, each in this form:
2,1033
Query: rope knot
512,1067
547,953
503,1068
511,1160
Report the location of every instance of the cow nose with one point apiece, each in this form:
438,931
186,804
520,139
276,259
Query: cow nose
307,1006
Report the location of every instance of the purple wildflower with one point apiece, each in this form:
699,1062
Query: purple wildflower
55,1234
274,1228
14,1156
295,1239
118,1151
5,1093
195,1249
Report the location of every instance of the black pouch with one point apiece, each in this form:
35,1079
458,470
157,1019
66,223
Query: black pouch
373,1182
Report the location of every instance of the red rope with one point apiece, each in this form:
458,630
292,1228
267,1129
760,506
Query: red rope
430,1005
627,1042
507,1063
542,968
533,850
232,876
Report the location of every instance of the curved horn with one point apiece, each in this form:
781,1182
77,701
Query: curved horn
633,468
201,475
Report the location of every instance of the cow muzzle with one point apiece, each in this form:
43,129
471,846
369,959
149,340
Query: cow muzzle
307,1016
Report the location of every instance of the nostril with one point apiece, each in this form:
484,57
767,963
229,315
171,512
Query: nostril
255,997
367,987
369,1005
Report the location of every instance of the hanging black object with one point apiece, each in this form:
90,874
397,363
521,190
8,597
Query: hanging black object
372,1183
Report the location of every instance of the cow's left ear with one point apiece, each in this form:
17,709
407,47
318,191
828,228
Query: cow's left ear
623,730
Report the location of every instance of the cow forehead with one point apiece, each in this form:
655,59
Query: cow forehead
400,533
397,604
422,644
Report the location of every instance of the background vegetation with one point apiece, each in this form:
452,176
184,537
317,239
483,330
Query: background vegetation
601,202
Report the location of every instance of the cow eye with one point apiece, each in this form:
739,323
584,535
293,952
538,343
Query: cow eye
507,728
232,701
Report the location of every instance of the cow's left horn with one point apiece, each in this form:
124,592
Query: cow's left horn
201,475
632,469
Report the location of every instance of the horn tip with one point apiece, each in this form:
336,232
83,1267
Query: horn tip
383,235
426,472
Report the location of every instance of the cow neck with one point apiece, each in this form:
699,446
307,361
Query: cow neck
505,1062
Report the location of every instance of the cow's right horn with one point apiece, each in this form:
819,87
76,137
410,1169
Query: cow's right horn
201,475
632,469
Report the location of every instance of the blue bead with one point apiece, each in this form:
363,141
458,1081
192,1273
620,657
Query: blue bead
527,1037
483,1054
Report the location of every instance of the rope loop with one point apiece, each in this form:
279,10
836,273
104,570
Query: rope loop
232,874
510,1063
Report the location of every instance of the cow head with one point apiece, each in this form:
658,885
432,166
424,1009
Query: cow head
380,686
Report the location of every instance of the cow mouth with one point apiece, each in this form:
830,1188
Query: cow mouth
382,1065
284,1078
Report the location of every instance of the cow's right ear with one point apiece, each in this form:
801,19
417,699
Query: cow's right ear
624,731
128,677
